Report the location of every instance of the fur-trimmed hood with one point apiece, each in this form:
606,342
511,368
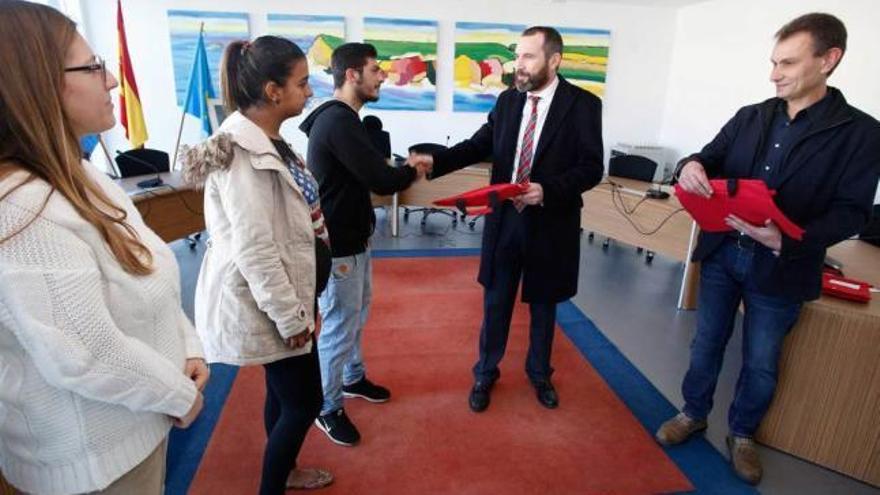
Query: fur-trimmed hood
218,151
198,161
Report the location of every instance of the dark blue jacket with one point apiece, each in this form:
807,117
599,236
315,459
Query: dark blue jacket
826,184
567,162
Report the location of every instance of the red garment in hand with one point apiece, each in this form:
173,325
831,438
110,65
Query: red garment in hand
748,199
482,196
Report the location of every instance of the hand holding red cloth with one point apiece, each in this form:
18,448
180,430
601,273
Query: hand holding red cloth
748,199
483,197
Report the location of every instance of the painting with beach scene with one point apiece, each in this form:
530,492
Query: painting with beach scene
484,63
220,29
317,36
585,58
407,52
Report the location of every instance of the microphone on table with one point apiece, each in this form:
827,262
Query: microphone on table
146,183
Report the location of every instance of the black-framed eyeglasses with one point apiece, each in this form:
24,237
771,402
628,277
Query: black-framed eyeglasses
97,65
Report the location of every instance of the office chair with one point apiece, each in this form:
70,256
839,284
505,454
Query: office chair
380,138
632,167
427,210
381,141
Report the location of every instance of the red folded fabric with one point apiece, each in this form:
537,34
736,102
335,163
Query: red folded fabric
748,199
480,197
846,288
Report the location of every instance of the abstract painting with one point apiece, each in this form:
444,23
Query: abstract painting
220,29
317,36
484,63
407,52
585,58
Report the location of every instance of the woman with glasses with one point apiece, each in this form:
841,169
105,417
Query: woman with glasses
268,257
97,359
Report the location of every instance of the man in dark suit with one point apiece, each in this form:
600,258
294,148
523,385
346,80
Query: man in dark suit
546,133
822,156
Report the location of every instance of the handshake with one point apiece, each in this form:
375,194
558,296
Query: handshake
422,162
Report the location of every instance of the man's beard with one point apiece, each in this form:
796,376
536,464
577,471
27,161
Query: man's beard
364,96
533,81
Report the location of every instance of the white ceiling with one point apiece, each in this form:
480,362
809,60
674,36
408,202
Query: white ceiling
639,3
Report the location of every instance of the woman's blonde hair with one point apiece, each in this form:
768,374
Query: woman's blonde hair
36,134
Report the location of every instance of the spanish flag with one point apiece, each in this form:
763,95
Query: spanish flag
131,113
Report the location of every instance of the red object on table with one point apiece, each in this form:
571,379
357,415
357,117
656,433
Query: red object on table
846,288
748,199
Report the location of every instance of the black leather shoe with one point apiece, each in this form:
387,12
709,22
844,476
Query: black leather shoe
546,394
479,398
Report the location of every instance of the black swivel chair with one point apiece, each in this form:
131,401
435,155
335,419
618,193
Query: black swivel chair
427,210
142,161
381,139
631,167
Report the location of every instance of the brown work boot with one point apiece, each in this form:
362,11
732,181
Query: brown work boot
678,429
745,460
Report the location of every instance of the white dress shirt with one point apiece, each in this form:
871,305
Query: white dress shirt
546,96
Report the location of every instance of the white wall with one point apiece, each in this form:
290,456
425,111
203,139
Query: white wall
721,62
640,55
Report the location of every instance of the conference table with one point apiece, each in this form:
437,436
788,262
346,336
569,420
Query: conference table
173,210
619,209
423,192
827,403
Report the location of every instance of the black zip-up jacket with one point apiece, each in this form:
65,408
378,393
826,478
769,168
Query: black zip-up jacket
826,184
348,167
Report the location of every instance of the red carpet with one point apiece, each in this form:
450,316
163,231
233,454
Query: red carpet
421,342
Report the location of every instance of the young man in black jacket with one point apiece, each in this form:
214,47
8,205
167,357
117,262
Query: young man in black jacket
348,167
822,156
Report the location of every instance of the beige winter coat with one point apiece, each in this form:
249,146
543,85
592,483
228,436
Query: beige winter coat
256,286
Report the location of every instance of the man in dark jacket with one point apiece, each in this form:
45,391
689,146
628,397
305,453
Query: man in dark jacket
546,133
822,156
347,165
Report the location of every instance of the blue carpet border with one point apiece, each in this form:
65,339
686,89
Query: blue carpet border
187,447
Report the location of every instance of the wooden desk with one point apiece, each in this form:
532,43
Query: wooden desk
674,239
600,215
172,210
827,403
423,192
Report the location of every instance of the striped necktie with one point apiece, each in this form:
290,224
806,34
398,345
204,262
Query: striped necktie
528,144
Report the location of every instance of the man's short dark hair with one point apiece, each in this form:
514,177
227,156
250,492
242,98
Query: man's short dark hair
552,38
349,56
826,30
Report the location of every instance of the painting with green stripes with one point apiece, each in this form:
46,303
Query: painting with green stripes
317,36
407,52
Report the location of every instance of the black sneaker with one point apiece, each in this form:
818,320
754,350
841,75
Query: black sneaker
338,428
365,389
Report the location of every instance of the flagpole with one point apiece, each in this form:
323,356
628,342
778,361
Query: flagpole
183,110
107,155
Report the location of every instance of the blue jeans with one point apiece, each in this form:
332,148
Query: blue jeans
344,306
726,279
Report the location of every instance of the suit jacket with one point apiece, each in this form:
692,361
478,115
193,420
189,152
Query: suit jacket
567,162
825,184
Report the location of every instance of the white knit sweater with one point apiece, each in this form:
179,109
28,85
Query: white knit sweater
91,357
